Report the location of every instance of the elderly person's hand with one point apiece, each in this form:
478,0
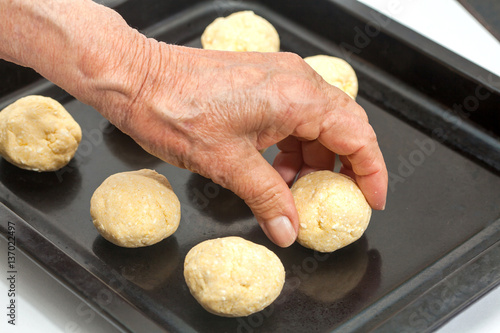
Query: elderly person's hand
207,111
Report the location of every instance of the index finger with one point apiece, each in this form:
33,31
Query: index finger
352,137
368,168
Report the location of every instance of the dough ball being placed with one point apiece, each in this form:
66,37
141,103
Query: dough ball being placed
37,133
336,72
332,210
233,277
136,208
241,31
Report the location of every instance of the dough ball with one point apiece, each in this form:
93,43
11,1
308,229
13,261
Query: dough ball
336,72
37,133
332,210
136,208
233,277
241,31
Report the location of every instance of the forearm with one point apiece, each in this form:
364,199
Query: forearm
207,111
85,48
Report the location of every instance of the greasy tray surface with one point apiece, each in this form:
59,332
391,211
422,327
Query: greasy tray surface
438,199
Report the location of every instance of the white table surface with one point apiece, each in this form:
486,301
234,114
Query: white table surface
44,305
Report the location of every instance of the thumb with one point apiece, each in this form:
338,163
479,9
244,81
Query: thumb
267,195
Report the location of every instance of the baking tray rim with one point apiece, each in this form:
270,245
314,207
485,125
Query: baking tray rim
465,248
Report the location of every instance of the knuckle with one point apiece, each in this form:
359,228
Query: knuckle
371,136
294,59
262,199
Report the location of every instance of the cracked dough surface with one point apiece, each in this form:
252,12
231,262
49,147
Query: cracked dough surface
336,72
333,211
241,31
135,208
233,277
37,133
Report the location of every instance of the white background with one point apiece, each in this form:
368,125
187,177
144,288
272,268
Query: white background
43,305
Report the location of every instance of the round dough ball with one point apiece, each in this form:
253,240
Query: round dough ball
37,133
241,31
233,277
332,210
336,72
136,208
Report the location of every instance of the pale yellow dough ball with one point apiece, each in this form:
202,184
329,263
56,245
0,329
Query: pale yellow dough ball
233,277
135,209
241,31
37,133
336,72
332,210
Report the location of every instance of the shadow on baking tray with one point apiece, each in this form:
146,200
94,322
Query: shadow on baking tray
330,285
127,150
215,201
42,189
147,267
349,274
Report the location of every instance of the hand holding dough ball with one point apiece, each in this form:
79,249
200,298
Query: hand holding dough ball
37,133
332,210
336,72
233,277
136,208
241,32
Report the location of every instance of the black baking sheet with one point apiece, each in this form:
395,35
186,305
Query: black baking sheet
440,226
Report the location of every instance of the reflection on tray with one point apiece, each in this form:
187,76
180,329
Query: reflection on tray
338,277
126,149
214,200
331,277
147,267
47,190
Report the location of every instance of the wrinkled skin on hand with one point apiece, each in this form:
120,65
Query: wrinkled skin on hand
211,112
207,111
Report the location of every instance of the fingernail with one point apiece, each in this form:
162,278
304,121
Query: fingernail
280,231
